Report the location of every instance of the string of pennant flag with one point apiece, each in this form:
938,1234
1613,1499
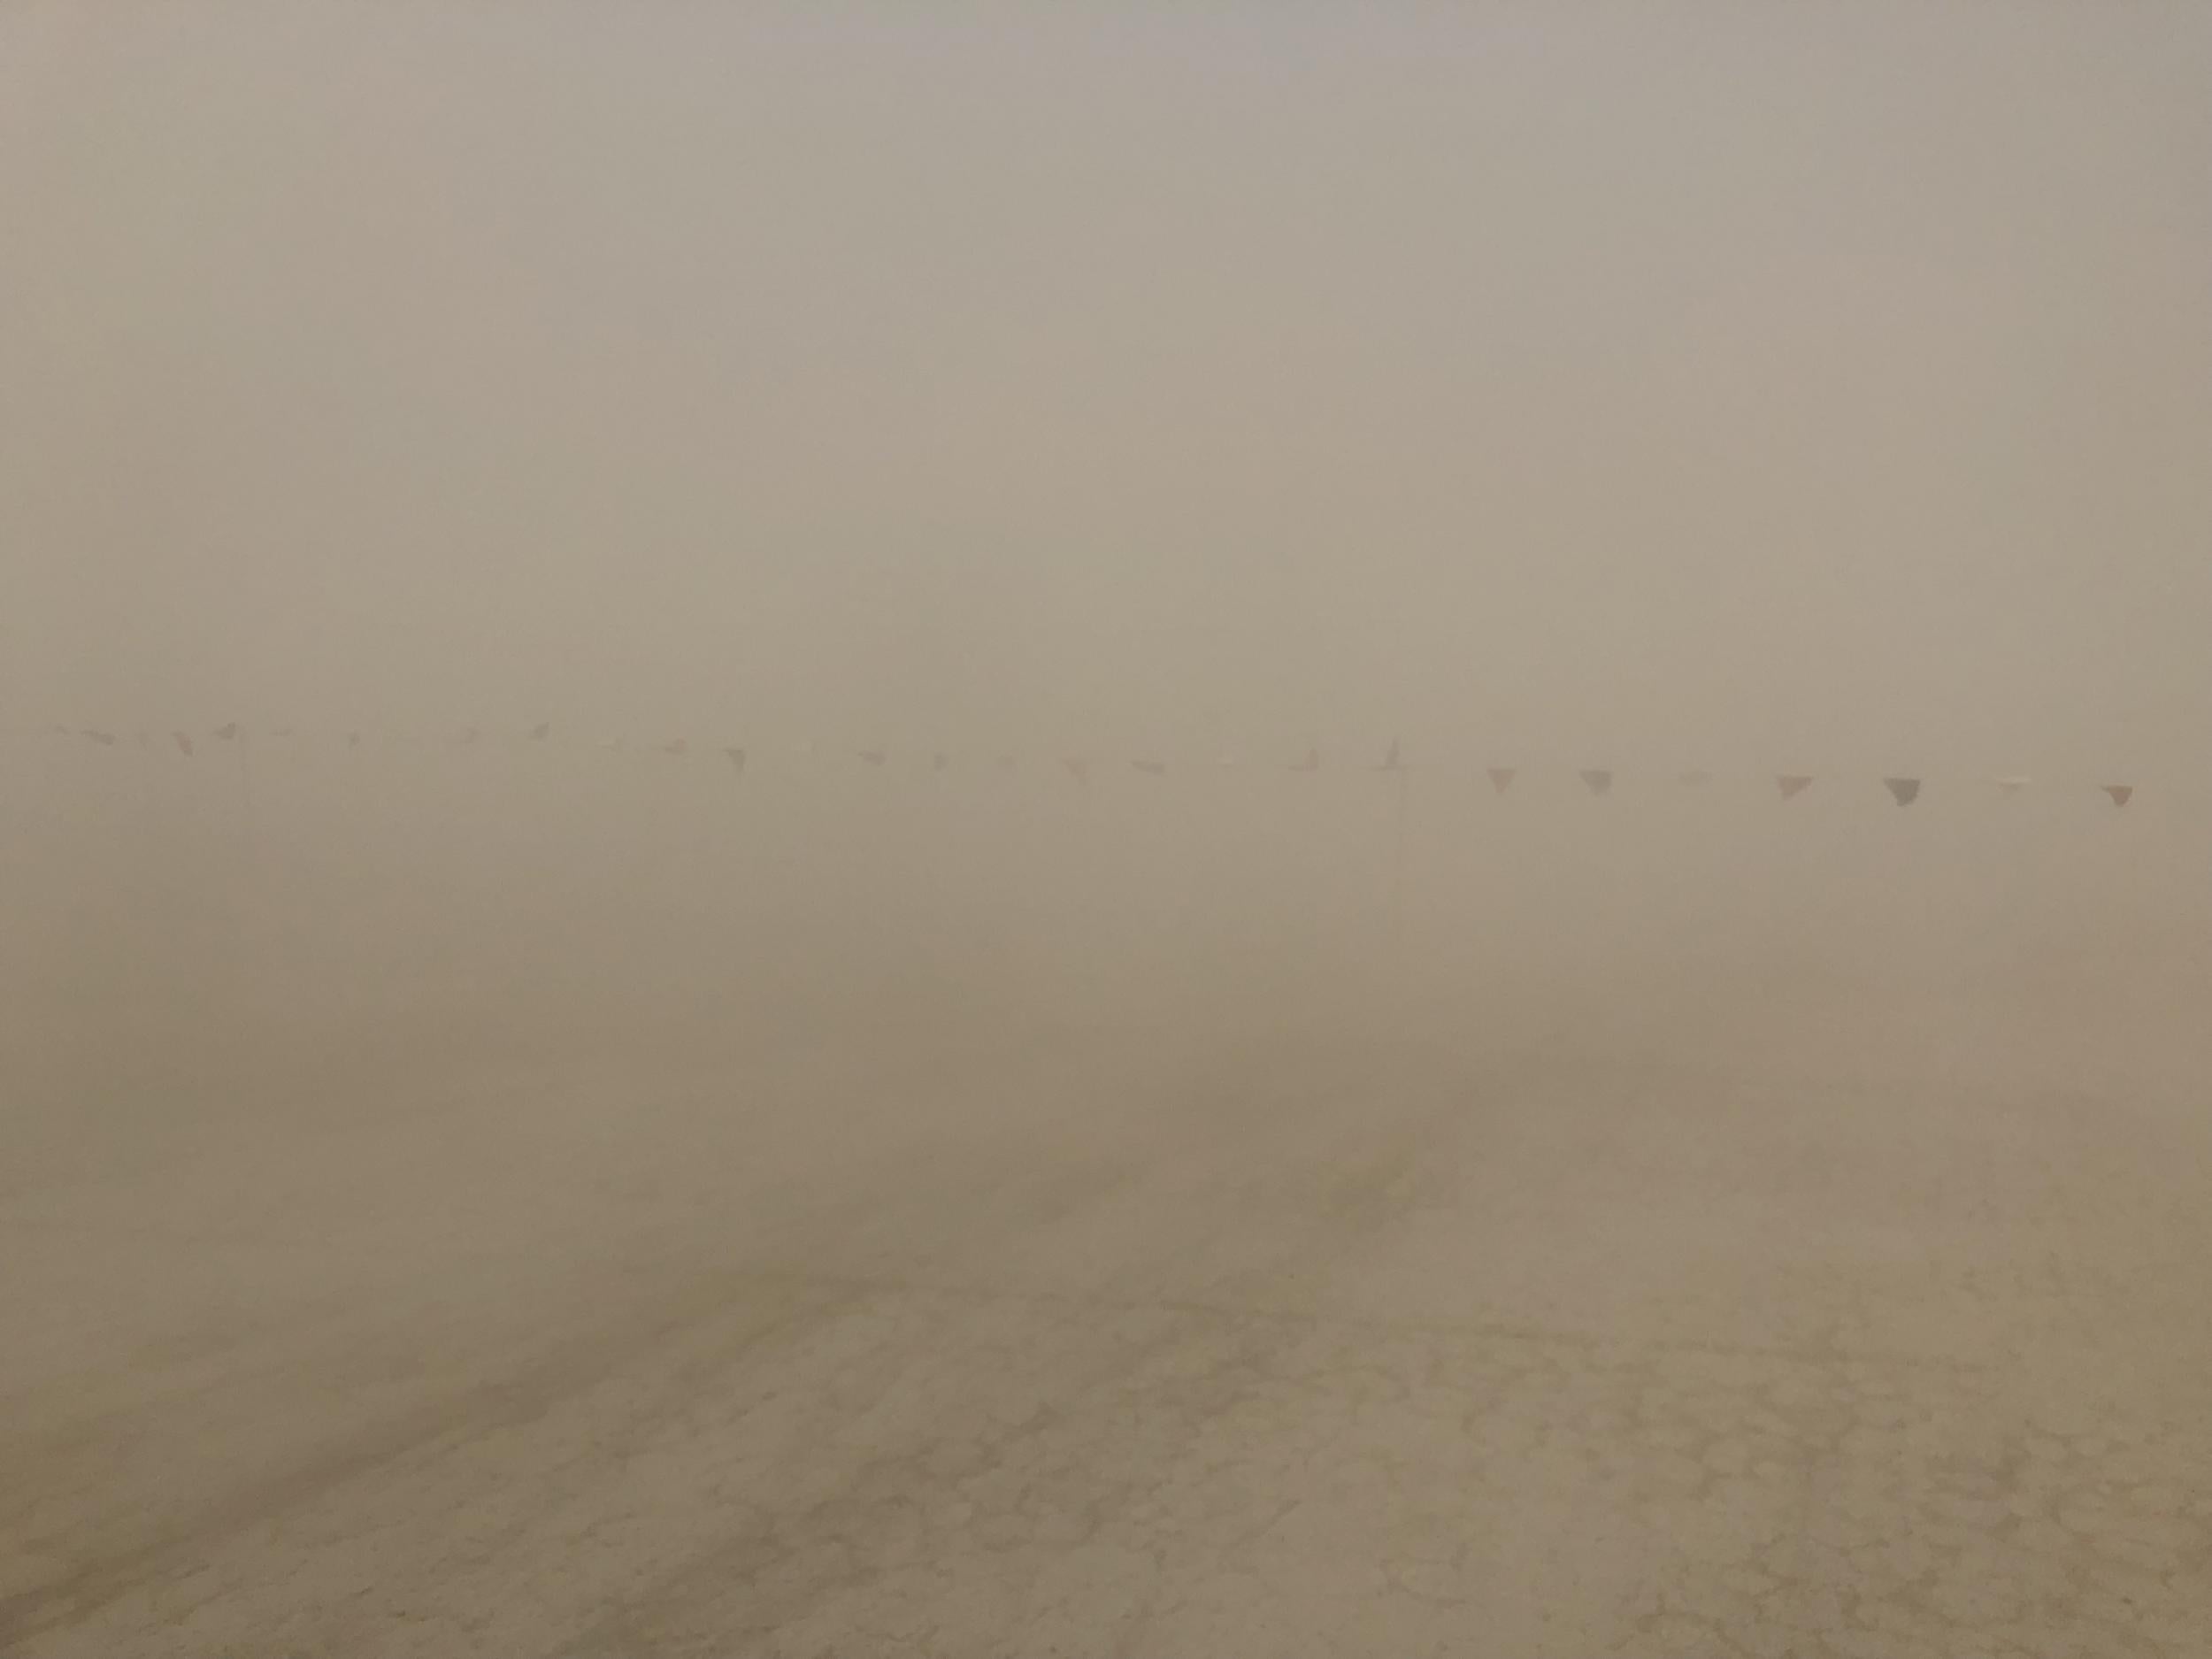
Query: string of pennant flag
1597,780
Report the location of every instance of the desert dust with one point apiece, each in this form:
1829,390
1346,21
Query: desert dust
794,857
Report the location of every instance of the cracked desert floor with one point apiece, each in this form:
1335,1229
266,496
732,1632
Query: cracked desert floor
1722,1274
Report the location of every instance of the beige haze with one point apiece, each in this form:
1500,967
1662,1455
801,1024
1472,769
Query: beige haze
550,1201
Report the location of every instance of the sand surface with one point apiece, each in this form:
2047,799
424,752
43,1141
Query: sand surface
1842,1304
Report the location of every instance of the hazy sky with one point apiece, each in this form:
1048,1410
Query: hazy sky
1820,385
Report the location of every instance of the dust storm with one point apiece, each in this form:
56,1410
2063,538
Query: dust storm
1228,831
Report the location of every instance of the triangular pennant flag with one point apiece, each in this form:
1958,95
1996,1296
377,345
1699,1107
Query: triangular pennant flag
1904,790
1078,769
1599,779
737,759
2120,792
228,733
1156,768
1502,777
1391,762
541,731
183,743
1312,762
873,756
1792,784
1697,780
